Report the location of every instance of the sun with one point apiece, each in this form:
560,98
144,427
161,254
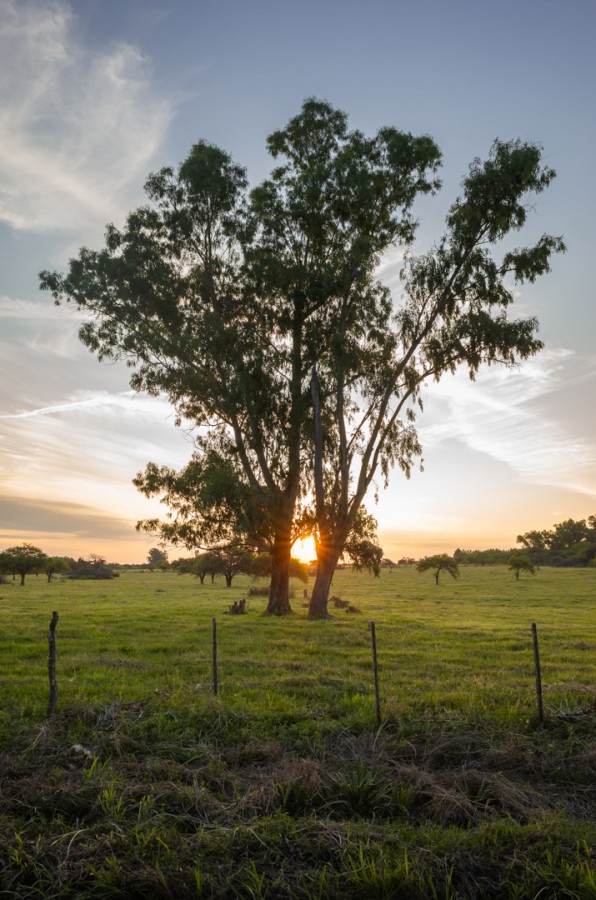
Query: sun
304,549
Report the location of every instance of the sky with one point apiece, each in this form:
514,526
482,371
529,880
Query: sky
95,94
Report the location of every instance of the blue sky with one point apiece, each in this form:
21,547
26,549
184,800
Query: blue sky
95,94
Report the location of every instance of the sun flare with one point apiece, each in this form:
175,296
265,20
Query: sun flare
304,549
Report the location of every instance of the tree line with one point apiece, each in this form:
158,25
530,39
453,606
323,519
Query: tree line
230,562
260,314
26,559
570,543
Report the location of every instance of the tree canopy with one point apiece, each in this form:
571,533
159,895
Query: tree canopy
22,560
520,562
261,316
569,543
157,558
440,562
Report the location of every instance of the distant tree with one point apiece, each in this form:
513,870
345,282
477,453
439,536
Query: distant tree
567,534
232,560
441,562
534,540
22,560
521,562
55,564
157,558
569,543
204,564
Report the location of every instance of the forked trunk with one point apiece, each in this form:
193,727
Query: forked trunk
320,594
279,589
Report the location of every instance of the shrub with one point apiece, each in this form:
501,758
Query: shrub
94,567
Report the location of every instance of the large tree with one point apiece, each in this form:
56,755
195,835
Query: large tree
453,311
224,300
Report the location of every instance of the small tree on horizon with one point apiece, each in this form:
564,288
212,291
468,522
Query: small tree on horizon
157,559
521,562
438,563
55,564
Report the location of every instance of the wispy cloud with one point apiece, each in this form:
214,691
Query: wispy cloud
530,418
79,124
103,399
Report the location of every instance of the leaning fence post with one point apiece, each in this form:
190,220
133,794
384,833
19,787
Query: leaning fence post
52,665
215,677
538,675
376,671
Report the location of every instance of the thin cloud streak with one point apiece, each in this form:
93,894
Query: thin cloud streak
99,400
79,125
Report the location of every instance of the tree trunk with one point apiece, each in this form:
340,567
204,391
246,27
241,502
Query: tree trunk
279,589
437,576
22,577
228,580
49,577
326,564
202,577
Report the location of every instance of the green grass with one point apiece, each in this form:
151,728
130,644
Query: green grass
146,785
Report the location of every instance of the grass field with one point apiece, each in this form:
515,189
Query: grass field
147,785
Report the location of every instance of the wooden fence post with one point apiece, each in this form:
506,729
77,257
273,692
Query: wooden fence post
376,671
538,675
215,674
53,701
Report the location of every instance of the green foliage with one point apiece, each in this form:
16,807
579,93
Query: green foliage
55,565
520,562
570,543
438,563
157,558
22,560
209,502
229,301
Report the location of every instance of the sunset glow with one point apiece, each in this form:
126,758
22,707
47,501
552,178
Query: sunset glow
513,451
304,549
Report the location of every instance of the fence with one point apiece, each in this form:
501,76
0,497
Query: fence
53,682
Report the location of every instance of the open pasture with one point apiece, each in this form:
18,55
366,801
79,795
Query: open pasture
460,647
147,785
